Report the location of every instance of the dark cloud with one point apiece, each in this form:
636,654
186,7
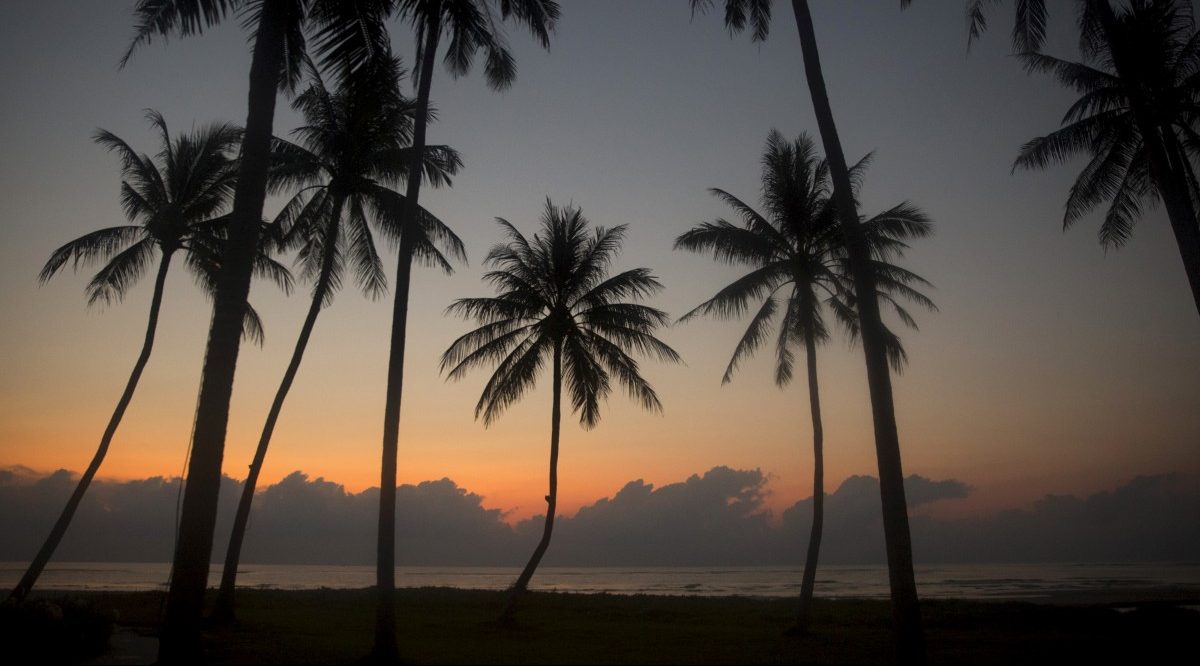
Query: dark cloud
1151,518
717,518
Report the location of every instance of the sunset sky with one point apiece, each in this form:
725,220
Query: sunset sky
1053,366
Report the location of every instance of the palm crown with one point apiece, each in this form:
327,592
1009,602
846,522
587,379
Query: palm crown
352,150
798,257
1161,54
348,34
556,298
178,199
174,206
473,26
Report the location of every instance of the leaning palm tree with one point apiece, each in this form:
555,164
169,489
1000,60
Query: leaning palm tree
353,148
1148,50
472,26
176,200
797,258
558,304
906,611
348,33
1136,121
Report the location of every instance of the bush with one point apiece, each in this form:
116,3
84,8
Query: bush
54,630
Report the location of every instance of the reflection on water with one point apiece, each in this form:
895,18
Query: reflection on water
963,581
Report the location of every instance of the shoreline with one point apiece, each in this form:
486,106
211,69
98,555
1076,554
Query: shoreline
1181,595
1070,583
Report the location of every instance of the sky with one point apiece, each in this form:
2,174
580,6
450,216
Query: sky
1052,367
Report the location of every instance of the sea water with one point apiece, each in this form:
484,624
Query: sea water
962,581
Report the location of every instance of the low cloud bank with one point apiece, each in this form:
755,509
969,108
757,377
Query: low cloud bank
717,518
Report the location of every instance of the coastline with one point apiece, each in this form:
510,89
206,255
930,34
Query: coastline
1057,582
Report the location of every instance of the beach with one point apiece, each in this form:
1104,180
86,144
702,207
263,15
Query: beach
447,626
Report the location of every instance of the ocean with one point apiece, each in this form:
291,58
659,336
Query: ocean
961,581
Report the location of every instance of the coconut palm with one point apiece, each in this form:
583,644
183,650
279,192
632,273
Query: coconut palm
471,26
176,201
347,33
797,258
557,304
1136,119
906,612
353,148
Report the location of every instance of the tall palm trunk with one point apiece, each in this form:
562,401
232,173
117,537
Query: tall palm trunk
180,637
1167,167
906,613
385,649
64,520
1173,184
519,587
224,612
818,519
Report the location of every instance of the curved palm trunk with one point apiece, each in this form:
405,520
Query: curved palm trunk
522,584
64,520
224,613
385,648
906,613
818,519
180,637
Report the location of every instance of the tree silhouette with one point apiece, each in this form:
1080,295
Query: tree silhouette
176,200
348,33
799,268
353,148
1135,119
472,26
557,303
906,612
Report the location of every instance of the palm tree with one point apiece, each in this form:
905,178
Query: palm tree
472,26
798,267
1135,119
557,303
906,611
353,148
176,200
348,33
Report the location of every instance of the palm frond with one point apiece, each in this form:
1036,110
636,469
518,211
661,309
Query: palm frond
752,339
114,279
100,244
734,299
164,17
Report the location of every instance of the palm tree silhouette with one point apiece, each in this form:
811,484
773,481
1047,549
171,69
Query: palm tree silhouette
1135,120
472,26
354,146
906,611
177,203
798,268
557,303
348,33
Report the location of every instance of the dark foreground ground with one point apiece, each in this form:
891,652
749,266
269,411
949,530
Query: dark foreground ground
442,626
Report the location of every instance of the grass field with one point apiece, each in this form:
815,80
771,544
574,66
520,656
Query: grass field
445,626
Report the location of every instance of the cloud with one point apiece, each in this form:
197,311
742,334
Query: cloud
713,519
1150,518
302,521
717,518
853,523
